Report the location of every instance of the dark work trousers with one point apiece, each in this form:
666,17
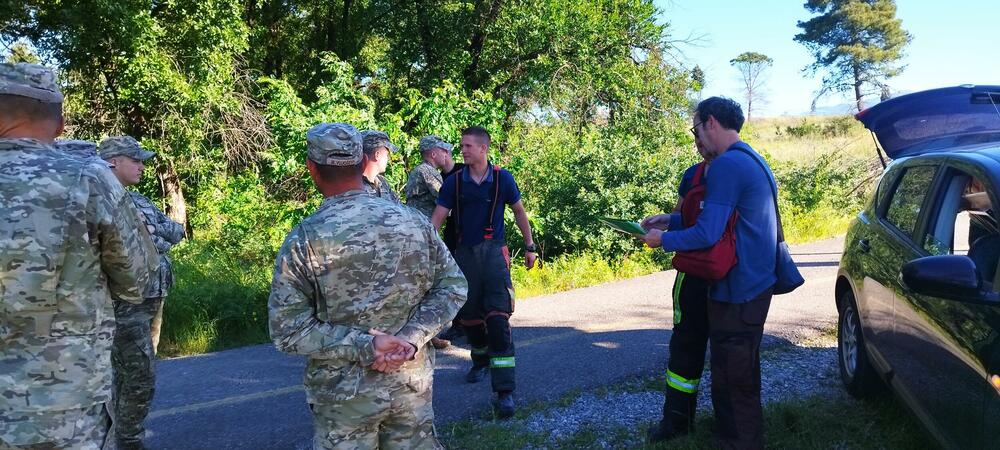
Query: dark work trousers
735,332
486,314
688,343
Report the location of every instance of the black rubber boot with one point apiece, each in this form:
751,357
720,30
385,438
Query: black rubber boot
505,405
678,416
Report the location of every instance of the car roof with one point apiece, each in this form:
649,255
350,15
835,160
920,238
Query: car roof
936,120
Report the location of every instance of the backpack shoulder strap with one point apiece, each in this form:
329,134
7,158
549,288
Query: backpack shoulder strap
774,188
698,173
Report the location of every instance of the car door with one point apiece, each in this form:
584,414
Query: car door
944,346
889,243
863,262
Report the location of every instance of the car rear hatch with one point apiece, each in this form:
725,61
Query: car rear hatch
935,120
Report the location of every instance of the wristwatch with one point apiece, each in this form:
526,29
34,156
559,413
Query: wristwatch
531,248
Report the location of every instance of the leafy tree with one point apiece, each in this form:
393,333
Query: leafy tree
166,73
21,52
858,43
697,79
751,66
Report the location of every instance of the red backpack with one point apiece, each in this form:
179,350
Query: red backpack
712,263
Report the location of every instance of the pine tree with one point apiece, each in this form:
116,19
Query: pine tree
751,66
857,43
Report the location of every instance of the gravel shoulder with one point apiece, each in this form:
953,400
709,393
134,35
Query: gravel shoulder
793,370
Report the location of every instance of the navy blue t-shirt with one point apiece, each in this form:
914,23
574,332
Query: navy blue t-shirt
735,181
686,180
476,201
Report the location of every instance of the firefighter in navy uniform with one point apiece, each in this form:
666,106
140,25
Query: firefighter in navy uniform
689,338
478,194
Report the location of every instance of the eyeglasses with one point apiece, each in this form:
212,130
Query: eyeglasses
694,129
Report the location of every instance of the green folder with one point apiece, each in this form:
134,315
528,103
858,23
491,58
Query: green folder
625,226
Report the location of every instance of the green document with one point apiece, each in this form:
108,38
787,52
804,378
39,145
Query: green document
625,226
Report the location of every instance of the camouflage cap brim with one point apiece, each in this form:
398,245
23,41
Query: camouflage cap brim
143,155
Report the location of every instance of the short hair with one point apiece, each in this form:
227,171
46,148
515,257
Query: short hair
726,111
331,173
19,107
479,132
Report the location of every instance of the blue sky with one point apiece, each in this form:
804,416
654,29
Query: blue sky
949,47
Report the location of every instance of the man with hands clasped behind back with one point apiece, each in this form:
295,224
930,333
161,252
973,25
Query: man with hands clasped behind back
360,287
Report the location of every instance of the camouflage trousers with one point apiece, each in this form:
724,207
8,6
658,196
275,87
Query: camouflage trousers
154,327
132,360
400,418
77,429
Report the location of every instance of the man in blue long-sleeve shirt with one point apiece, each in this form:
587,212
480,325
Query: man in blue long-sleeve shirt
739,302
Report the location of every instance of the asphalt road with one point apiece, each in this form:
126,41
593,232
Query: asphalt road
251,398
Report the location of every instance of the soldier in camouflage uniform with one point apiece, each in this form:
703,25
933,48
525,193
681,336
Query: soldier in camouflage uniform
377,147
134,350
71,242
360,287
425,180
421,191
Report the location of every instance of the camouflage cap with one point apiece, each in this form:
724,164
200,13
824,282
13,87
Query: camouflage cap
428,143
123,146
77,147
334,144
373,139
30,80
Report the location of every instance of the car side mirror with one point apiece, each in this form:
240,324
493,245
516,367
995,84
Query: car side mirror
947,276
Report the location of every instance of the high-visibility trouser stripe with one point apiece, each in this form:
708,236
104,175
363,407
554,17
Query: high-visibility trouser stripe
677,297
480,350
682,384
502,363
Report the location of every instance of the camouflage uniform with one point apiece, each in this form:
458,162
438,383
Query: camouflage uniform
70,245
133,352
379,187
330,287
422,188
166,234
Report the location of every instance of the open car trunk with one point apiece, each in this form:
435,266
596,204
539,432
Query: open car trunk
935,120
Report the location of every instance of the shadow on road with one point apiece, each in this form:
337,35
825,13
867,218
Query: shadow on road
251,398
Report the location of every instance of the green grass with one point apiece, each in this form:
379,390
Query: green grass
219,301
812,423
821,223
822,135
575,271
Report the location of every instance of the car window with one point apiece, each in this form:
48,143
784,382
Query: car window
964,223
905,203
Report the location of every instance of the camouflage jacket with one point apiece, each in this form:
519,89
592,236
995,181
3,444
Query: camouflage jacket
382,190
71,242
422,188
360,263
166,233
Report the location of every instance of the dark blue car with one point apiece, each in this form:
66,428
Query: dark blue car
918,289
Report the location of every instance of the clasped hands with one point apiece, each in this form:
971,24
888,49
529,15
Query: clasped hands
390,351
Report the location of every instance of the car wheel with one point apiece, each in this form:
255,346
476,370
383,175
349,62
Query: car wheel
856,371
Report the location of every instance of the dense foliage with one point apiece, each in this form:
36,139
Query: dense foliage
582,98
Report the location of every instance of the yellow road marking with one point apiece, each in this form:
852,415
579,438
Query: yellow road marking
225,401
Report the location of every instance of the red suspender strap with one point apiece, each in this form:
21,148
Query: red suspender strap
458,204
